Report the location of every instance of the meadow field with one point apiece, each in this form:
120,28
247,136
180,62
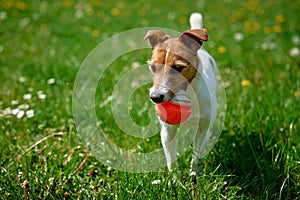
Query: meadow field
256,45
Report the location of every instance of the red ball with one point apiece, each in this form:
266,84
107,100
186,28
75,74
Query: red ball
173,113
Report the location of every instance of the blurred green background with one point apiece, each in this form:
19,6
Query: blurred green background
256,46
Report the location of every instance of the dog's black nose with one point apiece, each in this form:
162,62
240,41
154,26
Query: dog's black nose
157,98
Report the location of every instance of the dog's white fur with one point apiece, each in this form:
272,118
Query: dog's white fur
205,87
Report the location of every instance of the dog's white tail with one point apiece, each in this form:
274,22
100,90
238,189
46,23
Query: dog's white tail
196,21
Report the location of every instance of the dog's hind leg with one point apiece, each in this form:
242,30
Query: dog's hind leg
199,147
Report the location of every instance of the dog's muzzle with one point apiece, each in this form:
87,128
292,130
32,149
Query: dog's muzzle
157,98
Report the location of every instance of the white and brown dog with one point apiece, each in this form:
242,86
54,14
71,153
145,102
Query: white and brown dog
176,63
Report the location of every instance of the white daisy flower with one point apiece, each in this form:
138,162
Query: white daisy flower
155,182
51,81
135,65
23,106
3,15
41,95
20,114
27,96
294,52
295,39
238,36
15,111
22,79
14,102
268,46
7,111
29,113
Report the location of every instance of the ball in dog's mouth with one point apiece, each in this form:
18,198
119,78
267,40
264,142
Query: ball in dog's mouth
177,110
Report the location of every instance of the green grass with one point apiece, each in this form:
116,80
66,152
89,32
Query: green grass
258,153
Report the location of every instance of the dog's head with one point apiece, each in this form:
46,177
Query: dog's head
174,61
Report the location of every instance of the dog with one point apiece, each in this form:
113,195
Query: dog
175,64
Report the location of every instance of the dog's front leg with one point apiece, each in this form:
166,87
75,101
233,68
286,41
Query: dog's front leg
168,140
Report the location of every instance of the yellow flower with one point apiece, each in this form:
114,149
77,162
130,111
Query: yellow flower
277,29
100,13
252,6
21,5
96,33
256,26
222,49
90,12
182,20
6,4
279,18
245,83
251,26
43,27
267,30
115,12
67,3
296,94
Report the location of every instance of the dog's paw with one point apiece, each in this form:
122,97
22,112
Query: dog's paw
193,176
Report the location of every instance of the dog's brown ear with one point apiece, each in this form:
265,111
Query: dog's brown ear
155,37
194,39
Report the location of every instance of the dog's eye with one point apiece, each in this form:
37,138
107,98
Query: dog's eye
152,68
177,68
